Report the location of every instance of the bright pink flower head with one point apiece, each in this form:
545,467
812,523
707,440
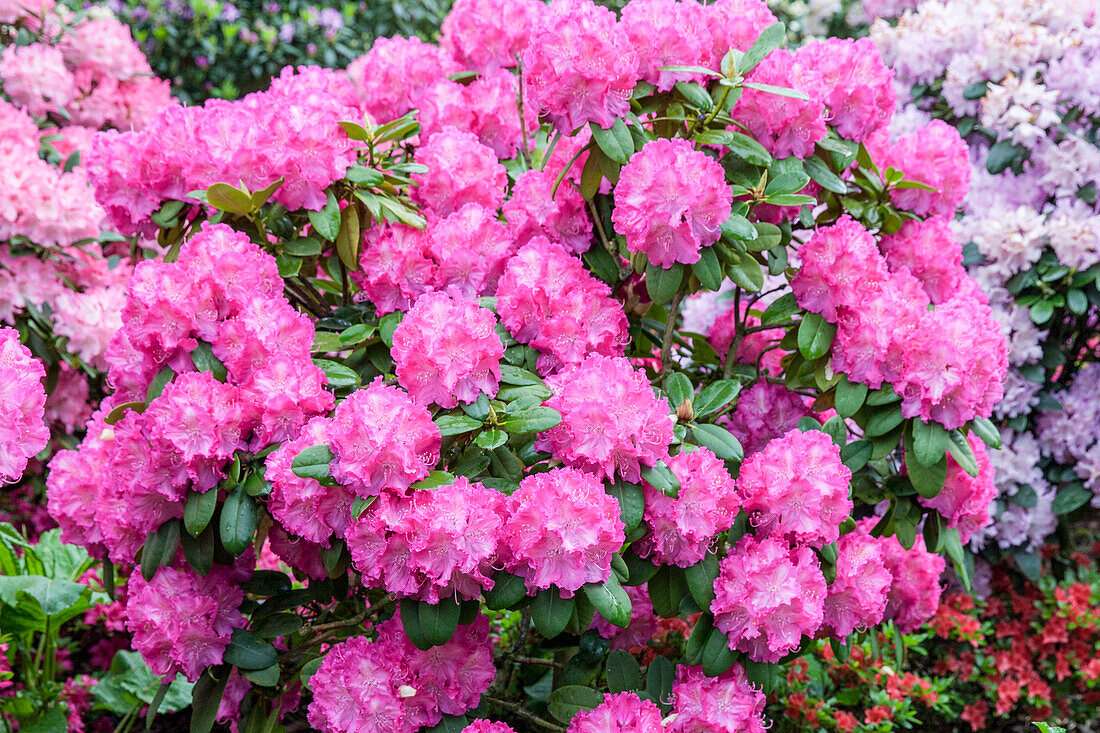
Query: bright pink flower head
302,505
784,125
915,589
734,24
460,171
624,712
492,100
357,689
182,621
666,33
485,726
724,704
930,251
436,543
532,213
391,76
681,529
964,499
840,265
382,441
396,268
561,529
935,155
580,66
548,299
470,248
22,406
850,76
765,412
488,34
857,598
767,596
446,351
797,488
612,422
671,201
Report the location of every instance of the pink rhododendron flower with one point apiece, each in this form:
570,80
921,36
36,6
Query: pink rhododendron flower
934,155
548,299
734,24
850,77
930,252
390,78
964,499
446,351
532,213
840,264
765,412
488,34
857,598
624,712
485,726
627,428
357,689
580,66
182,621
396,268
22,406
915,588
666,33
469,249
724,704
784,125
643,622
437,543
561,529
460,171
681,529
670,202
35,77
797,488
767,596
382,441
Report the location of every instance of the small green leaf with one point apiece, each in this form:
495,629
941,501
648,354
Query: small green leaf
777,90
666,589
615,142
746,273
679,388
202,356
314,462
507,591
1070,498
715,396
160,548
661,477
531,420
717,655
237,524
708,269
819,171
961,451
456,424
952,543
120,412
659,677
198,510
815,336
226,198
550,612
610,600
700,579
719,440
662,283
348,238
929,442
248,650
849,397
780,309
927,480
623,673
568,700
337,375
631,500
984,428
856,454
1002,155
769,39
739,144
883,421
326,222
199,551
160,381
429,625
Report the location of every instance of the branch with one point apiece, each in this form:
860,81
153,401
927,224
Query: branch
523,713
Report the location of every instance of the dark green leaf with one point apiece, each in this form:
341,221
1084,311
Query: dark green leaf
623,673
160,548
953,544
662,283
987,431
821,173
567,701
1070,498
708,269
456,424
849,397
856,454
206,697
1001,156
769,39
266,677
659,677
661,477
631,502
550,612
717,655
739,144
326,222
666,589
615,142
277,624
247,650
429,625
507,591
929,442
337,375
719,440
746,273
715,396
314,462
961,451
700,579
160,381
815,336
678,387
198,510
610,600
348,238
531,420
237,524
198,551
882,421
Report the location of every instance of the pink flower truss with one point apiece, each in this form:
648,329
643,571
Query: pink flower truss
22,406
765,412
734,24
531,212
840,265
964,499
857,598
931,253
488,34
382,441
561,529
934,155
396,267
670,202
768,595
437,543
460,171
666,33
302,505
643,622
35,78
182,621
485,726
580,66
390,78
784,125
915,586
681,529
624,712
723,704
854,82
548,299
446,351
627,427
797,488
469,249
357,689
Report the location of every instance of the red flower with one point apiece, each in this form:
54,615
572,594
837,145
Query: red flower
846,721
975,715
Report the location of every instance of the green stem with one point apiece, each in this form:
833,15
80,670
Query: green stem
523,713
550,150
670,328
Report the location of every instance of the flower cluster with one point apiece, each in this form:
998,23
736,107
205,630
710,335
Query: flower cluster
22,432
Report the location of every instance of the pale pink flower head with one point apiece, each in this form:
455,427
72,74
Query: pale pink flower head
857,598
493,102
733,24
436,543
561,529
182,621
727,703
767,596
671,201
681,529
784,125
22,406
935,155
488,34
548,299
964,500
391,76
14,11
840,264
469,249
446,351
915,587
797,488
35,78
624,712
854,82
612,421
382,441
580,66
930,251
460,171
667,33
532,213
395,267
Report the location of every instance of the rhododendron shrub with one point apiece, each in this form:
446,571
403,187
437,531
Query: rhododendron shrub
656,389
1012,80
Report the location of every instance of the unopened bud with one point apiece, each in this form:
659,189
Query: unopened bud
107,434
406,691
685,412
